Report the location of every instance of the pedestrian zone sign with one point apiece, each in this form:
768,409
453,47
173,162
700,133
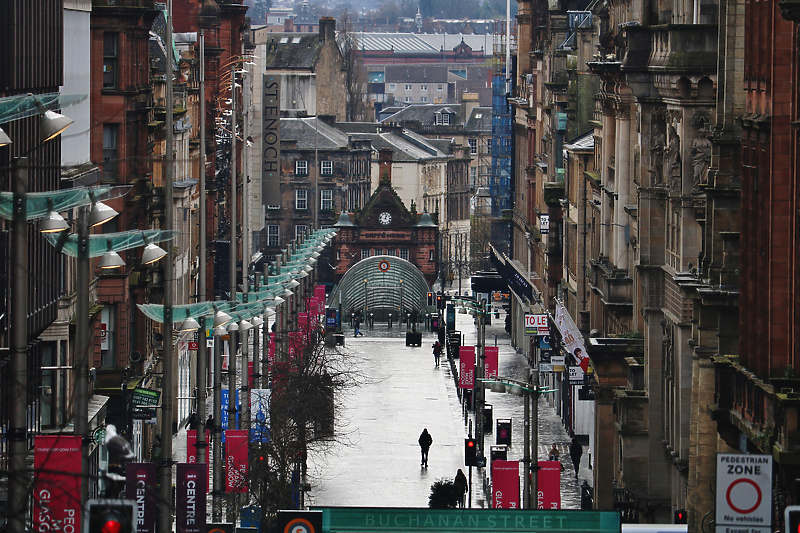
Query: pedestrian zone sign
744,493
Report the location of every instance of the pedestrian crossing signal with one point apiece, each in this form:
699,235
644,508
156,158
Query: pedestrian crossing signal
792,519
680,516
430,299
470,453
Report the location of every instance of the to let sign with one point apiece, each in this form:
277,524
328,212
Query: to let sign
744,493
536,325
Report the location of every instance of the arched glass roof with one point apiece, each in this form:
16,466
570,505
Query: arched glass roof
382,282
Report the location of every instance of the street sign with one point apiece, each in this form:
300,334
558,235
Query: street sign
536,325
744,493
480,462
143,414
145,397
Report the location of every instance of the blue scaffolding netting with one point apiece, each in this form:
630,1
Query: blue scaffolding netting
500,183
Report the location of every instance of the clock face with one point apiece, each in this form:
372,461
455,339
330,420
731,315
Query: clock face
385,218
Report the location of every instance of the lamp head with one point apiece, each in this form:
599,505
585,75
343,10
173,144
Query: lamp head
53,222
100,214
152,253
190,324
4,139
233,326
244,325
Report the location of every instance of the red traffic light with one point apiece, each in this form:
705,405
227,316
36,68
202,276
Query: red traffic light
470,444
112,526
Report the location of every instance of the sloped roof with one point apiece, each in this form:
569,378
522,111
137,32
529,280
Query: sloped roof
423,43
305,16
293,50
425,113
480,120
311,133
582,143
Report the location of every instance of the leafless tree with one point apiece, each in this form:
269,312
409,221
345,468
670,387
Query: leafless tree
356,74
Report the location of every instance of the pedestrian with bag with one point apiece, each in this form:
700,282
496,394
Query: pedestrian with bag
575,452
461,487
437,352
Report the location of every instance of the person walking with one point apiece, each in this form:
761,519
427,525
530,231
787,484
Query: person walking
210,428
192,422
358,329
437,352
461,487
575,452
425,440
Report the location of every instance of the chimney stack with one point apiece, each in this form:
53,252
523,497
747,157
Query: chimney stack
385,165
327,29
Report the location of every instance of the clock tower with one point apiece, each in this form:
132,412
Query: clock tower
387,227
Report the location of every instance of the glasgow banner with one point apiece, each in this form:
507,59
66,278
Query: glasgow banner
57,484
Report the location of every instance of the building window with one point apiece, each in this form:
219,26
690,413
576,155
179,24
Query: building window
423,87
273,235
403,253
443,119
301,168
473,146
440,87
108,353
430,255
110,56
424,99
392,87
473,176
378,251
327,168
408,99
300,230
301,199
326,199
110,132
408,87
365,253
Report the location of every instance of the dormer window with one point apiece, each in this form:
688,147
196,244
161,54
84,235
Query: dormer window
443,118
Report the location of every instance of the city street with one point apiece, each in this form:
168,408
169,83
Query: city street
378,462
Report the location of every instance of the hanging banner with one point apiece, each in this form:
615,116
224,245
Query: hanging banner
224,409
259,412
505,484
490,366
271,352
549,478
57,484
236,461
271,141
140,486
191,487
572,337
191,445
466,367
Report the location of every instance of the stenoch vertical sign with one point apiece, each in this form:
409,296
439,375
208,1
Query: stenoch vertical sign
57,484
271,142
744,493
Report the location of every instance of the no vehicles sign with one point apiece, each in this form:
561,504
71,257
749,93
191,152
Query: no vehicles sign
744,493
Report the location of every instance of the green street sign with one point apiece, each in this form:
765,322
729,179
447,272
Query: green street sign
402,520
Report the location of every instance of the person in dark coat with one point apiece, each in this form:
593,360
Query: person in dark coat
425,440
461,487
192,422
210,428
575,452
437,351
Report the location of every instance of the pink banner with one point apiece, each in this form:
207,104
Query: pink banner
271,351
466,367
236,460
191,487
302,322
191,445
57,484
505,484
549,478
250,374
319,293
491,362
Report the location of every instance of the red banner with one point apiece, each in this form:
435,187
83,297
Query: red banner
191,445
466,367
271,351
505,484
57,484
191,482
140,485
549,496
250,374
491,362
236,460
319,293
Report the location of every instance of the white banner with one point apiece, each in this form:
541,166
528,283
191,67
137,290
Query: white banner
572,337
744,493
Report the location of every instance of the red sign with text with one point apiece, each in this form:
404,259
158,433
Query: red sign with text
491,361
191,445
505,484
191,487
57,484
466,367
236,460
549,496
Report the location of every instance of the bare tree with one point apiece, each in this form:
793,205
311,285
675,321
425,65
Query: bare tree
354,63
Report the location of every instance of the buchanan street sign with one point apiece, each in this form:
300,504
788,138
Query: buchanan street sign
380,519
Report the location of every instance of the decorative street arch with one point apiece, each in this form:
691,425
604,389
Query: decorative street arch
383,284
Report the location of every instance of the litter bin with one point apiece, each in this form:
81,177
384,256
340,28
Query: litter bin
453,343
413,338
488,413
338,339
504,431
499,452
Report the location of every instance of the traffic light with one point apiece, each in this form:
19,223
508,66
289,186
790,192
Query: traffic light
111,516
430,299
470,453
792,518
439,301
680,516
